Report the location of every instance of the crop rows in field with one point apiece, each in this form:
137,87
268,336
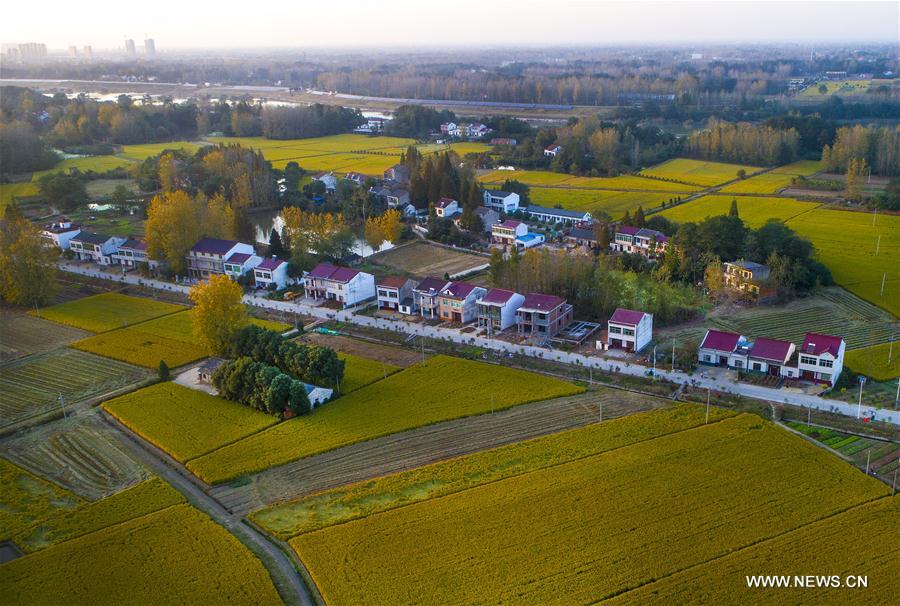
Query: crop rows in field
567,529
32,386
21,334
698,172
440,389
359,372
877,454
79,453
800,168
26,498
173,556
366,498
107,311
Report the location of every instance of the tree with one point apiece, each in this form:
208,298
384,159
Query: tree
27,264
742,174
639,217
163,371
120,197
171,228
392,226
601,233
823,89
64,191
733,211
168,172
855,171
276,248
374,234
219,311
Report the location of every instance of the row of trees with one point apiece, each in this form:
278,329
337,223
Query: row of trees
743,142
261,386
877,146
306,233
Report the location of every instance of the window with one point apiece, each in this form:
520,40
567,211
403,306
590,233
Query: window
615,330
738,363
807,360
826,363
628,332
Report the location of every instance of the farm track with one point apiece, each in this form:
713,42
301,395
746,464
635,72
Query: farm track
425,445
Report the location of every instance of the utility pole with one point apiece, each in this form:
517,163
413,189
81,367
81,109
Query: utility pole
897,397
62,404
883,276
868,458
654,362
809,416
673,355
859,405
707,407
877,245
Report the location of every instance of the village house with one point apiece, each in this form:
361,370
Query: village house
462,130
821,358
397,173
488,218
271,271
394,291
496,311
582,236
357,179
61,232
132,253
373,125
553,150
720,348
457,302
629,330
506,232
501,201
542,316
328,179
425,296
745,276
446,208
343,285
639,240
91,246
770,356
556,215
210,255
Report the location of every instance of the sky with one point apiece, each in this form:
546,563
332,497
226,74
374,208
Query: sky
199,24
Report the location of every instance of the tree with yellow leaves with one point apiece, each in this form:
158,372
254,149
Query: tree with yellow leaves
168,172
27,263
219,311
391,225
374,233
171,229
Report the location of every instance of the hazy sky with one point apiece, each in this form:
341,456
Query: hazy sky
203,24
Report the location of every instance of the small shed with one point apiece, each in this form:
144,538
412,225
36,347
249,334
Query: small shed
205,371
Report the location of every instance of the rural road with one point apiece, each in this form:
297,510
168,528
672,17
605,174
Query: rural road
284,575
310,308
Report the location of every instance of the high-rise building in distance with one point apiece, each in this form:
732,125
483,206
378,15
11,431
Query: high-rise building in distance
129,47
88,51
32,51
73,50
149,47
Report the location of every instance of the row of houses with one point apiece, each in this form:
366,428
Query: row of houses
819,359
474,130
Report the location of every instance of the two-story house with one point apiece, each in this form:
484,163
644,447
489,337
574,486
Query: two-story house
133,253
556,215
551,151
501,201
425,296
91,246
394,292
209,255
629,330
239,263
769,356
506,232
271,271
458,302
542,316
446,208
821,358
745,275
640,240
343,285
356,179
496,311
60,232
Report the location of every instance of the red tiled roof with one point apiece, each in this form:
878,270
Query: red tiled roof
344,274
270,264
322,270
458,290
539,302
392,281
771,349
510,224
816,344
432,284
627,229
498,296
720,340
627,316
238,258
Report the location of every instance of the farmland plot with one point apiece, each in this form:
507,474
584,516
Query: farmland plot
359,372
753,210
22,335
107,311
440,389
32,386
615,203
591,528
698,172
420,259
173,556
873,361
26,498
766,183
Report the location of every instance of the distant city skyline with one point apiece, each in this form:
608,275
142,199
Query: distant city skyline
197,25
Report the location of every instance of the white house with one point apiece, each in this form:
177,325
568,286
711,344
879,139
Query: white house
553,150
394,292
271,271
328,179
529,240
446,208
425,296
501,201
496,311
239,263
506,232
640,240
210,256
341,284
132,252
629,330
317,395
720,348
821,358
357,179
770,356
61,232
556,215
91,246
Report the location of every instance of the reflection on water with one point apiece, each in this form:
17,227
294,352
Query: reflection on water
263,222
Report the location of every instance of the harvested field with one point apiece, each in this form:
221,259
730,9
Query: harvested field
80,453
417,396
591,528
25,498
394,356
698,172
426,445
173,556
22,335
420,260
107,311
31,387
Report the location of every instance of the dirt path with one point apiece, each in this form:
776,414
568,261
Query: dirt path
425,445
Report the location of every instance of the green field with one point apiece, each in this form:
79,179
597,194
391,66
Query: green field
698,172
107,311
873,361
173,556
594,527
754,211
766,183
439,389
615,203
143,151
800,168
359,372
184,422
538,178
363,499
26,498
845,87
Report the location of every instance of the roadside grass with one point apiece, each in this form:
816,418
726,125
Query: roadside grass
106,311
698,172
26,498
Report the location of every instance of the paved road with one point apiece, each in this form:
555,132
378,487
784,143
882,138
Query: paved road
280,567
309,308
429,444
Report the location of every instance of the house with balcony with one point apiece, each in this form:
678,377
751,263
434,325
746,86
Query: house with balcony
60,232
821,358
745,276
770,356
209,256
629,330
133,253
506,232
501,201
446,208
271,271
394,292
96,247
639,240
343,285
721,348
556,215
542,316
425,296
457,302
496,311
